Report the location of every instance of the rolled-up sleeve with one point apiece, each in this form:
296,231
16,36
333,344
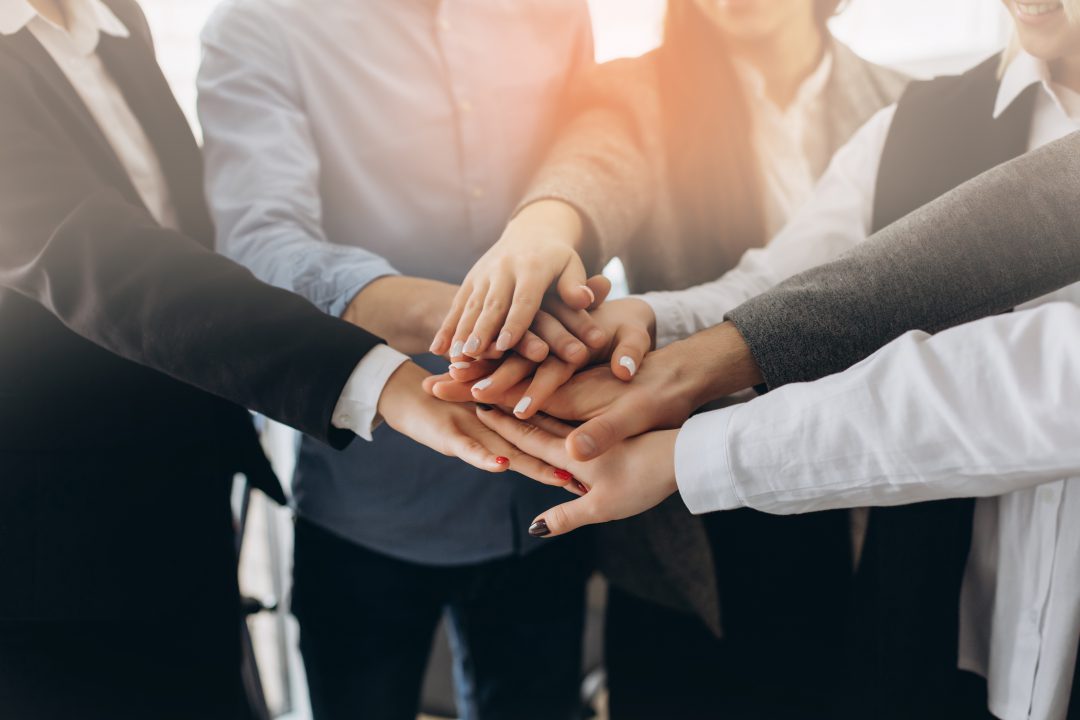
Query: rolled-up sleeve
262,166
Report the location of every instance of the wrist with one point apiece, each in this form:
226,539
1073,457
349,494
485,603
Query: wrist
560,222
401,394
408,325
711,365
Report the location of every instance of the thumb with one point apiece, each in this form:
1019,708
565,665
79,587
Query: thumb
601,288
565,518
572,286
632,344
604,432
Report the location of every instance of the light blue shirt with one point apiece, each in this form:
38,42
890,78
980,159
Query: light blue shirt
347,140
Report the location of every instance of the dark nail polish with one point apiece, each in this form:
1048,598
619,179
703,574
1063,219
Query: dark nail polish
581,487
485,407
539,529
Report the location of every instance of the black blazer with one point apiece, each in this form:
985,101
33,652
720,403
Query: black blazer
123,343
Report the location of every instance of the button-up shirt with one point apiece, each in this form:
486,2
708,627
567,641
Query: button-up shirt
352,139
1021,599
74,50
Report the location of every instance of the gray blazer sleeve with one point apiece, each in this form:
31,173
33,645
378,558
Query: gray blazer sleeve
1006,237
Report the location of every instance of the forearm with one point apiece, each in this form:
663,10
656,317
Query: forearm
1002,239
709,365
979,410
405,311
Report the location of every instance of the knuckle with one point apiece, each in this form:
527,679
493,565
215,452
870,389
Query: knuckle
495,305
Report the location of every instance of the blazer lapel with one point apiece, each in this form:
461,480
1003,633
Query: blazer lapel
74,114
131,63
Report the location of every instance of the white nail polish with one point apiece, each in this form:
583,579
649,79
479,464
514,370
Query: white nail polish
523,405
472,345
592,295
503,343
482,385
461,365
628,362
457,349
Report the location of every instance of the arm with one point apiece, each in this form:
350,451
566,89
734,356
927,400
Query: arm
263,188
979,410
1008,236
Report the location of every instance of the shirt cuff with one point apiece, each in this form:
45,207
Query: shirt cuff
358,407
702,465
672,322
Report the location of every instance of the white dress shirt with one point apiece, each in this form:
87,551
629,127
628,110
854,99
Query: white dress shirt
1021,599
74,52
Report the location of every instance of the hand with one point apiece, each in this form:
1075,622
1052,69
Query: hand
637,476
628,323
503,292
672,383
453,430
405,312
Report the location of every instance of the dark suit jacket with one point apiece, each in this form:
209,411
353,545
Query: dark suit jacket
128,352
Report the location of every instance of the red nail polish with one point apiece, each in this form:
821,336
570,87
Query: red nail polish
502,460
563,475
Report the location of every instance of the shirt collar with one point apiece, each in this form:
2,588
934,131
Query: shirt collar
1022,72
809,90
88,19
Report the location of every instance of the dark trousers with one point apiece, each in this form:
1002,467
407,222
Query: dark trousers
367,623
783,584
120,597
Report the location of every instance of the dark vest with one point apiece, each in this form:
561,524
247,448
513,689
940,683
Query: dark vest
906,616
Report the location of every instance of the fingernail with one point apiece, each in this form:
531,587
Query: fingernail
585,445
539,529
592,295
522,405
434,346
472,345
595,336
456,349
503,343
563,475
574,349
581,487
482,385
628,362
461,365
502,460
485,407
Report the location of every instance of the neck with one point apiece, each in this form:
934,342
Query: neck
1066,72
785,59
51,10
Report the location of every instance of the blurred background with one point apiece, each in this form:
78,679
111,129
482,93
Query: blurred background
921,37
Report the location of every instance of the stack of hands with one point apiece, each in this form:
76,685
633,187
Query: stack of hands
551,381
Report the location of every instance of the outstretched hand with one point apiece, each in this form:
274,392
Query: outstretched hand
637,476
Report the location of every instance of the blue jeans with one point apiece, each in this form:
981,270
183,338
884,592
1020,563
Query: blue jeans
367,622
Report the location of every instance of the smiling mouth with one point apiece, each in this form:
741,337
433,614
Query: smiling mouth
1037,9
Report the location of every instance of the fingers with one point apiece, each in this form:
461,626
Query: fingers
551,425
527,437
532,347
445,388
552,375
472,370
493,313
579,324
567,517
477,453
445,336
571,286
492,388
600,434
466,345
632,344
525,462
528,295
601,288
561,341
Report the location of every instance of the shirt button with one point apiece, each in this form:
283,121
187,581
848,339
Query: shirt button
478,193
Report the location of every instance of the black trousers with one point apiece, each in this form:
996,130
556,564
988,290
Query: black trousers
784,582
367,622
119,597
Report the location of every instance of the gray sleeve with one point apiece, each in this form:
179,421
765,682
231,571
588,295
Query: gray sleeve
1006,237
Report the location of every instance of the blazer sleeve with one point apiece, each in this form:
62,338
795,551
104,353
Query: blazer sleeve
105,269
1001,239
